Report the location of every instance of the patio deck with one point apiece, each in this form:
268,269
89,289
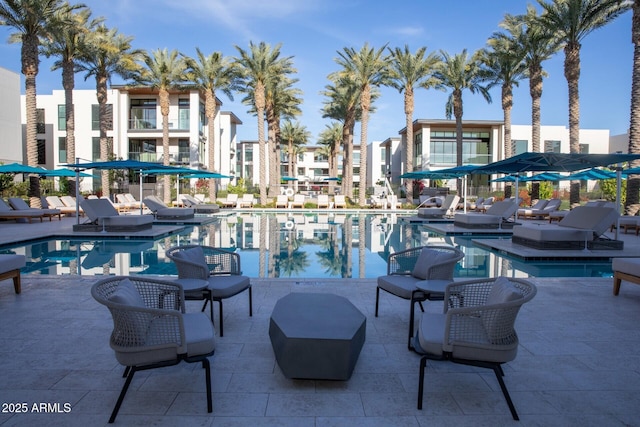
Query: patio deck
578,364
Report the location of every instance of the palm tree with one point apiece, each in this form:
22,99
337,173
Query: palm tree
460,72
408,71
295,135
503,64
632,203
261,65
105,53
366,68
571,21
342,105
209,74
331,139
538,45
164,71
64,43
33,20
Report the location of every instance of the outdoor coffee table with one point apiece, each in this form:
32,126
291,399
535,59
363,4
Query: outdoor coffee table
316,336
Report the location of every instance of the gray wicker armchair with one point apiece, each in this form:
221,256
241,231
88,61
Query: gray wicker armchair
476,327
221,268
151,328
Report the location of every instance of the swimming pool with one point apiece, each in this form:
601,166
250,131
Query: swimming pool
298,245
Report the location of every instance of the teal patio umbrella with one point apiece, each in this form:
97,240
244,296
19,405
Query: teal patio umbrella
19,168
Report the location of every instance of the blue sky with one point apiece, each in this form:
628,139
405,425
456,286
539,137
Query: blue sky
313,31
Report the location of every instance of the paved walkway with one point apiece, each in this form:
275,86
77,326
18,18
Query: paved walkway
578,364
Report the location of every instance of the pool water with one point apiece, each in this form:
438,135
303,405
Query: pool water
310,245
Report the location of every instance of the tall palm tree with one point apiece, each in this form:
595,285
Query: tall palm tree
460,72
503,64
331,138
106,53
261,65
367,68
632,202
342,105
407,72
538,45
32,20
165,70
571,21
65,42
295,135
210,74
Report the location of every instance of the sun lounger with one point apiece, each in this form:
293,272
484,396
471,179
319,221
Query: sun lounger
162,211
123,204
447,208
323,201
486,204
18,204
298,201
246,201
582,225
340,201
55,202
545,209
104,217
231,201
200,207
430,201
6,212
495,216
282,201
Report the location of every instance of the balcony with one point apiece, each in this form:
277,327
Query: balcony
144,157
139,124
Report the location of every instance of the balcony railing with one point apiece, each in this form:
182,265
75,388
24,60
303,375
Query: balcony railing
139,124
144,157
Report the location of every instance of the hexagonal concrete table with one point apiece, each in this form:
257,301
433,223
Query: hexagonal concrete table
316,336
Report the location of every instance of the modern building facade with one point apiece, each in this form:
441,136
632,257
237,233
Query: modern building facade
10,129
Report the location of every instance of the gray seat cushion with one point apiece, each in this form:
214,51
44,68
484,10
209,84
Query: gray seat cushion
227,286
399,285
9,262
626,265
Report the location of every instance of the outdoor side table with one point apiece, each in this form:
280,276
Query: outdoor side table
316,336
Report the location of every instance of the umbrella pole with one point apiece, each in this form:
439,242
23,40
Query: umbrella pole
78,196
140,191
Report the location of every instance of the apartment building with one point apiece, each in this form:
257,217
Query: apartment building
135,130
10,129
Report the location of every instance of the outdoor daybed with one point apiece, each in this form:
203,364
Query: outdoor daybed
494,217
582,225
162,211
104,217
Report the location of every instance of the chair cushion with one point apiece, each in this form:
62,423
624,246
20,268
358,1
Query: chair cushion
427,258
196,256
431,333
494,321
136,324
227,286
199,334
502,291
127,294
398,284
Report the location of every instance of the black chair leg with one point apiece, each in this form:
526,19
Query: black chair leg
221,325
132,371
250,303
499,374
423,365
207,373
377,298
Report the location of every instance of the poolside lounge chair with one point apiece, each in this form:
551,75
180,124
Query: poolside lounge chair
55,202
151,328
6,212
528,212
282,201
104,217
221,268
298,201
340,201
495,216
191,202
230,201
448,207
246,201
430,201
580,227
476,327
122,203
162,211
486,204
323,201
19,204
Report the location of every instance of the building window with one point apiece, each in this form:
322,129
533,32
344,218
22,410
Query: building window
62,149
42,151
584,148
184,155
475,148
183,114
62,117
417,151
95,117
143,114
40,122
203,117
519,146
143,150
95,145
248,155
552,146
320,157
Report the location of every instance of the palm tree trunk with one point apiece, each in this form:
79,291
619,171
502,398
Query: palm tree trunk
347,166
408,148
101,90
30,70
507,104
262,152
535,89
365,104
164,111
210,112
457,112
572,74
632,203
68,83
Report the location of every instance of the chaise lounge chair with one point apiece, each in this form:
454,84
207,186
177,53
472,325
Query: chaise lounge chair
104,217
246,201
528,212
550,207
19,204
448,207
282,201
298,201
340,201
230,201
430,201
497,213
55,202
323,201
7,213
191,202
579,228
162,211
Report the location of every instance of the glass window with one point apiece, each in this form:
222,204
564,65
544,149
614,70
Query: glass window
62,117
95,117
184,151
320,157
417,151
183,114
143,150
62,149
42,151
519,146
95,143
584,148
40,123
142,114
248,155
552,146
